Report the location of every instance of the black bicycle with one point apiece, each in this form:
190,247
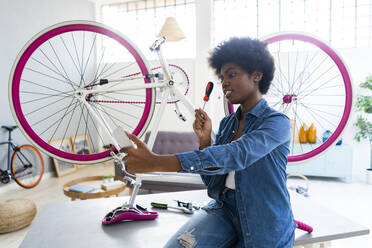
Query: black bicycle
26,165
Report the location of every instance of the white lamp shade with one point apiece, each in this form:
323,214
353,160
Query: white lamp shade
171,30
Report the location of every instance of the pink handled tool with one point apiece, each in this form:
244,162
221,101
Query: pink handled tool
127,214
303,226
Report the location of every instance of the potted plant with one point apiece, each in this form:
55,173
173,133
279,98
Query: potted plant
363,123
108,178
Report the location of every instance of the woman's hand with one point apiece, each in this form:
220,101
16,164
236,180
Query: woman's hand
142,160
138,160
202,127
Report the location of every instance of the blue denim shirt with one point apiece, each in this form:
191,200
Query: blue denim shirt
259,159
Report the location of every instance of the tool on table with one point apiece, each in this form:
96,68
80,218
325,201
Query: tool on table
208,91
166,206
127,213
188,205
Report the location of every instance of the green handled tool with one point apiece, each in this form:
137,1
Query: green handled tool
165,206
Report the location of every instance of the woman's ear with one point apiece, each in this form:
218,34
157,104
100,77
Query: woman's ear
257,76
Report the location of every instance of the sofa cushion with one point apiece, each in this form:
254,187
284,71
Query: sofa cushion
167,142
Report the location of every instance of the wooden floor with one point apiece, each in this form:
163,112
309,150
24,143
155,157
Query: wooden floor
49,190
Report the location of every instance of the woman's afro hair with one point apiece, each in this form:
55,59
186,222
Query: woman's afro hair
250,54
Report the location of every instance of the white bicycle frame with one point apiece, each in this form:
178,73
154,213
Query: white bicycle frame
169,87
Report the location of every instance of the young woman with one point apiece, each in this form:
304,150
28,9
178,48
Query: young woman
244,168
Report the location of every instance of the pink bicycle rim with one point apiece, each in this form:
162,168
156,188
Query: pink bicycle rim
18,73
348,92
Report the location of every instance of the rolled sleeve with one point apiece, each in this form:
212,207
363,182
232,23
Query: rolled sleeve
192,162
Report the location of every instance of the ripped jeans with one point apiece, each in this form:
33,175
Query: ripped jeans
215,228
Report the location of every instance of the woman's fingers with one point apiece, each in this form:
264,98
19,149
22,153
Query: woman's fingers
198,124
204,115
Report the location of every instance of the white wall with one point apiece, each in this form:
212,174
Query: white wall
359,63
19,21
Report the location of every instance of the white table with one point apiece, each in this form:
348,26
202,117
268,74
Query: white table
78,223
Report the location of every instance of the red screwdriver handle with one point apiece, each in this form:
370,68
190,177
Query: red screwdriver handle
208,91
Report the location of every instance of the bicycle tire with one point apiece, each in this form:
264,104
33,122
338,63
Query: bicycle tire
76,39
300,153
20,174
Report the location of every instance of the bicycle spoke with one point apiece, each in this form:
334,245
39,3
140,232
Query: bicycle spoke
330,105
47,117
275,87
27,68
317,114
115,116
99,65
320,87
325,112
288,76
76,53
293,133
103,71
280,78
44,106
69,122
306,66
316,123
310,74
82,108
39,93
90,52
46,87
78,126
107,114
301,121
68,51
87,129
294,73
316,79
82,60
57,73
60,121
50,126
55,53
59,61
46,97
282,75
120,69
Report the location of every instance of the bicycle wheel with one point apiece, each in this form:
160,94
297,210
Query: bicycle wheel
312,86
27,166
70,57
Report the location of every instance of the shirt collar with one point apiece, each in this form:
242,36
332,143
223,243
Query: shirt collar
257,110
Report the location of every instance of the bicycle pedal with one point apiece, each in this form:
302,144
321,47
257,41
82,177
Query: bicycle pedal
181,116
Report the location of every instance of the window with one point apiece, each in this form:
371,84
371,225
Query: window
141,21
343,23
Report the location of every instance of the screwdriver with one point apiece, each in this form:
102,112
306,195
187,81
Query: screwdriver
208,91
166,206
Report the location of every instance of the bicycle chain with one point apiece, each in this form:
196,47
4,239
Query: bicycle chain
135,102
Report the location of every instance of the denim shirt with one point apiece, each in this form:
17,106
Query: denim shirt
259,159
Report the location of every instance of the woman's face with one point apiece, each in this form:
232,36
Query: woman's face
238,86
